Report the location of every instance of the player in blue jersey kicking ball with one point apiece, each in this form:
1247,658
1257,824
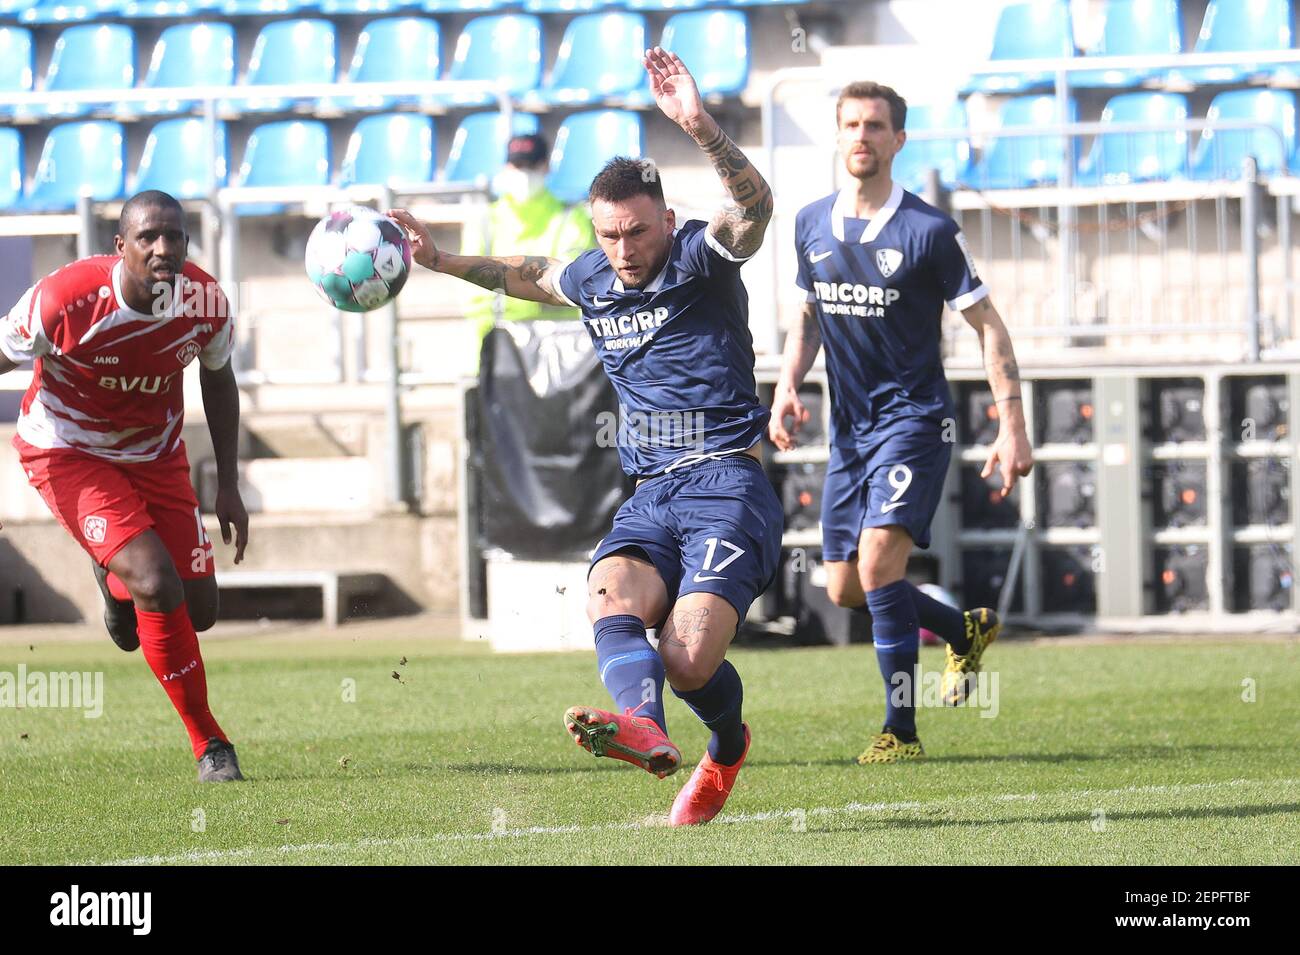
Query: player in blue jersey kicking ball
700,538
878,264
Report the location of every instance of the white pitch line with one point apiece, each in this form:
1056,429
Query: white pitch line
853,808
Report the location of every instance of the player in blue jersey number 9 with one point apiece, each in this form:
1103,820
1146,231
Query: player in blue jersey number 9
877,265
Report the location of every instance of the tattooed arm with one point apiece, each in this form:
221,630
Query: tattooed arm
802,343
739,225
1011,454
532,277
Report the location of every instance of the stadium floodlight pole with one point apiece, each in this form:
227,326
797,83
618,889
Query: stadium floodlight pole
86,227
1283,329
767,114
394,452
1250,251
1065,213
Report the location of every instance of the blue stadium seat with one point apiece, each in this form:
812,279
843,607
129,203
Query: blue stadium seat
16,49
287,51
91,56
1133,28
188,54
506,47
293,152
1239,26
714,45
1219,154
666,4
178,159
261,8
464,6
1022,162
568,6
12,9
479,147
584,143
1121,158
393,50
161,9
390,150
336,7
600,56
60,11
918,156
78,157
11,168
1037,30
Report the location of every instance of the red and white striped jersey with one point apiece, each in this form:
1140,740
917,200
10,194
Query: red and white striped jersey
107,379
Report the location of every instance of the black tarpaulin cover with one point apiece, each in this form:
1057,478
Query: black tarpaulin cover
549,492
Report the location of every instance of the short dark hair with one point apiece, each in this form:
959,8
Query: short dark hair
624,177
866,89
149,199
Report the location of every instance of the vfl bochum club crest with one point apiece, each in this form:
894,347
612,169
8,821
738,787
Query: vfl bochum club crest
888,261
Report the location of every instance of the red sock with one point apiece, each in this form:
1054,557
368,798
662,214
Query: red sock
117,588
171,649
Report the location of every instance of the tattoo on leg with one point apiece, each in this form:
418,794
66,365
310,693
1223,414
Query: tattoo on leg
688,627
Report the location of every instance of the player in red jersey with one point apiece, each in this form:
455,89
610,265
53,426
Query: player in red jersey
99,436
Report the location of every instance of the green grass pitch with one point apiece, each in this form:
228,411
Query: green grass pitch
1100,753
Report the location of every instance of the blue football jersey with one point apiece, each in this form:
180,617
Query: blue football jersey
880,286
678,352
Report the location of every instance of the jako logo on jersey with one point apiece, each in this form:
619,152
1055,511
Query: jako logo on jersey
106,360
95,529
187,353
158,384
888,261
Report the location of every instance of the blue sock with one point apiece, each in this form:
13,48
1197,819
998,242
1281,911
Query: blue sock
948,623
717,704
629,667
895,631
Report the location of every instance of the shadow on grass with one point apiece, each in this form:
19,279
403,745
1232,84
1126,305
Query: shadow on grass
866,823
393,771
1146,751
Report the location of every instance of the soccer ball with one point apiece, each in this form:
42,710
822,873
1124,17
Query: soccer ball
358,259
936,592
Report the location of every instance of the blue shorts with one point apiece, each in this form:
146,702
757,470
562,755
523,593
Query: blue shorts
898,482
712,528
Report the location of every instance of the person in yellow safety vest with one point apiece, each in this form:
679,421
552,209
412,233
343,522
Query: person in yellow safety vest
525,219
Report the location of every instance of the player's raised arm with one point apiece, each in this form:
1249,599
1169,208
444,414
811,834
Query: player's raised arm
739,225
535,278
1011,454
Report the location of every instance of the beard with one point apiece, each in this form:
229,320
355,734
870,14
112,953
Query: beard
865,167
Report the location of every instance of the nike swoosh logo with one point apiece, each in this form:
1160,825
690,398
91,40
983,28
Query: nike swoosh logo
700,580
886,508
814,259
599,304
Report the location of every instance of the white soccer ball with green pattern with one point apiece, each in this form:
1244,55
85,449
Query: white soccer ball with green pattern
358,259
